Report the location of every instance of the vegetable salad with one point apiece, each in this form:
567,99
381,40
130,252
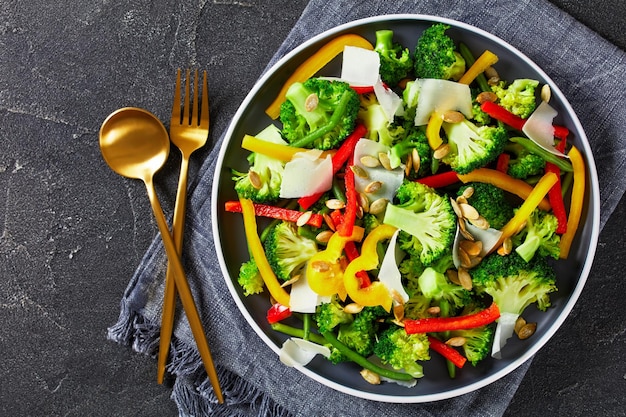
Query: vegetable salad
417,202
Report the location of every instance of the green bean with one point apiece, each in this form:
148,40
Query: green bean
531,146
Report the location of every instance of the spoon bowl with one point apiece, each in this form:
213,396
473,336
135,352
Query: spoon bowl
134,143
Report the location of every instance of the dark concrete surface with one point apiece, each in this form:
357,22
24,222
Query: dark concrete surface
72,232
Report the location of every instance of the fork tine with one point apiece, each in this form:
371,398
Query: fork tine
186,104
194,117
176,106
204,118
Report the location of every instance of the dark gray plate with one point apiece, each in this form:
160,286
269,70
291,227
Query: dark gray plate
436,385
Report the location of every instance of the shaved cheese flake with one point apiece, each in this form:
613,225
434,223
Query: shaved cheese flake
504,330
360,66
391,180
389,273
311,154
389,100
488,237
296,351
304,176
441,96
539,128
302,298
271,134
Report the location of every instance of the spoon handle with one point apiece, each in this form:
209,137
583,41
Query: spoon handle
169,296
184,291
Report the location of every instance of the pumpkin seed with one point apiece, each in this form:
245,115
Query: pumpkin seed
370,161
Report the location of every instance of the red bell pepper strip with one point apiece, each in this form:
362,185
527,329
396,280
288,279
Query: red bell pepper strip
349,215
502,164
555,195
365,89
265,210
442,179
352,253
342,155
277,312
336,217
500,113
444,324
447,352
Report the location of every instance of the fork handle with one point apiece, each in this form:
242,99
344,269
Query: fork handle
169,296
184,291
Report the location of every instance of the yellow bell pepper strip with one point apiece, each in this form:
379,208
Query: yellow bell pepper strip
528,206
501,180
324,271
576,203
433,129
316,62
376,293
258,254
483,62
467,55
283,153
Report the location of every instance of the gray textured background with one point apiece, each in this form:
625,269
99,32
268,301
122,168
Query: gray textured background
72,232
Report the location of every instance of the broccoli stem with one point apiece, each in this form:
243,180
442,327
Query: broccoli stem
467,55
295,332
332,123
361,360
384,40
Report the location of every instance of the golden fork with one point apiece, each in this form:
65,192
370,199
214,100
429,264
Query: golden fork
189,132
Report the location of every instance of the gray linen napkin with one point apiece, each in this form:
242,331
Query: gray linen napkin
589,71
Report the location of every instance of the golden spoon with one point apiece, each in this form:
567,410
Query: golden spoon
135,144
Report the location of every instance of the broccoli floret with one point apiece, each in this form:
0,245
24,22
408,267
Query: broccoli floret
436,55
478,340
479,116
517,97
330,315
513,283
378,127
410,96
471,146
287,251
415,138
396,62
426,221
370,222
262,182
319,113
436,286
538,236
402,351
491,202
523,164
360,334
410,269
417,306
250,278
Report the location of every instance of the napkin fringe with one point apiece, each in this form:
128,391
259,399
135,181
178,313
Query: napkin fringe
192,392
